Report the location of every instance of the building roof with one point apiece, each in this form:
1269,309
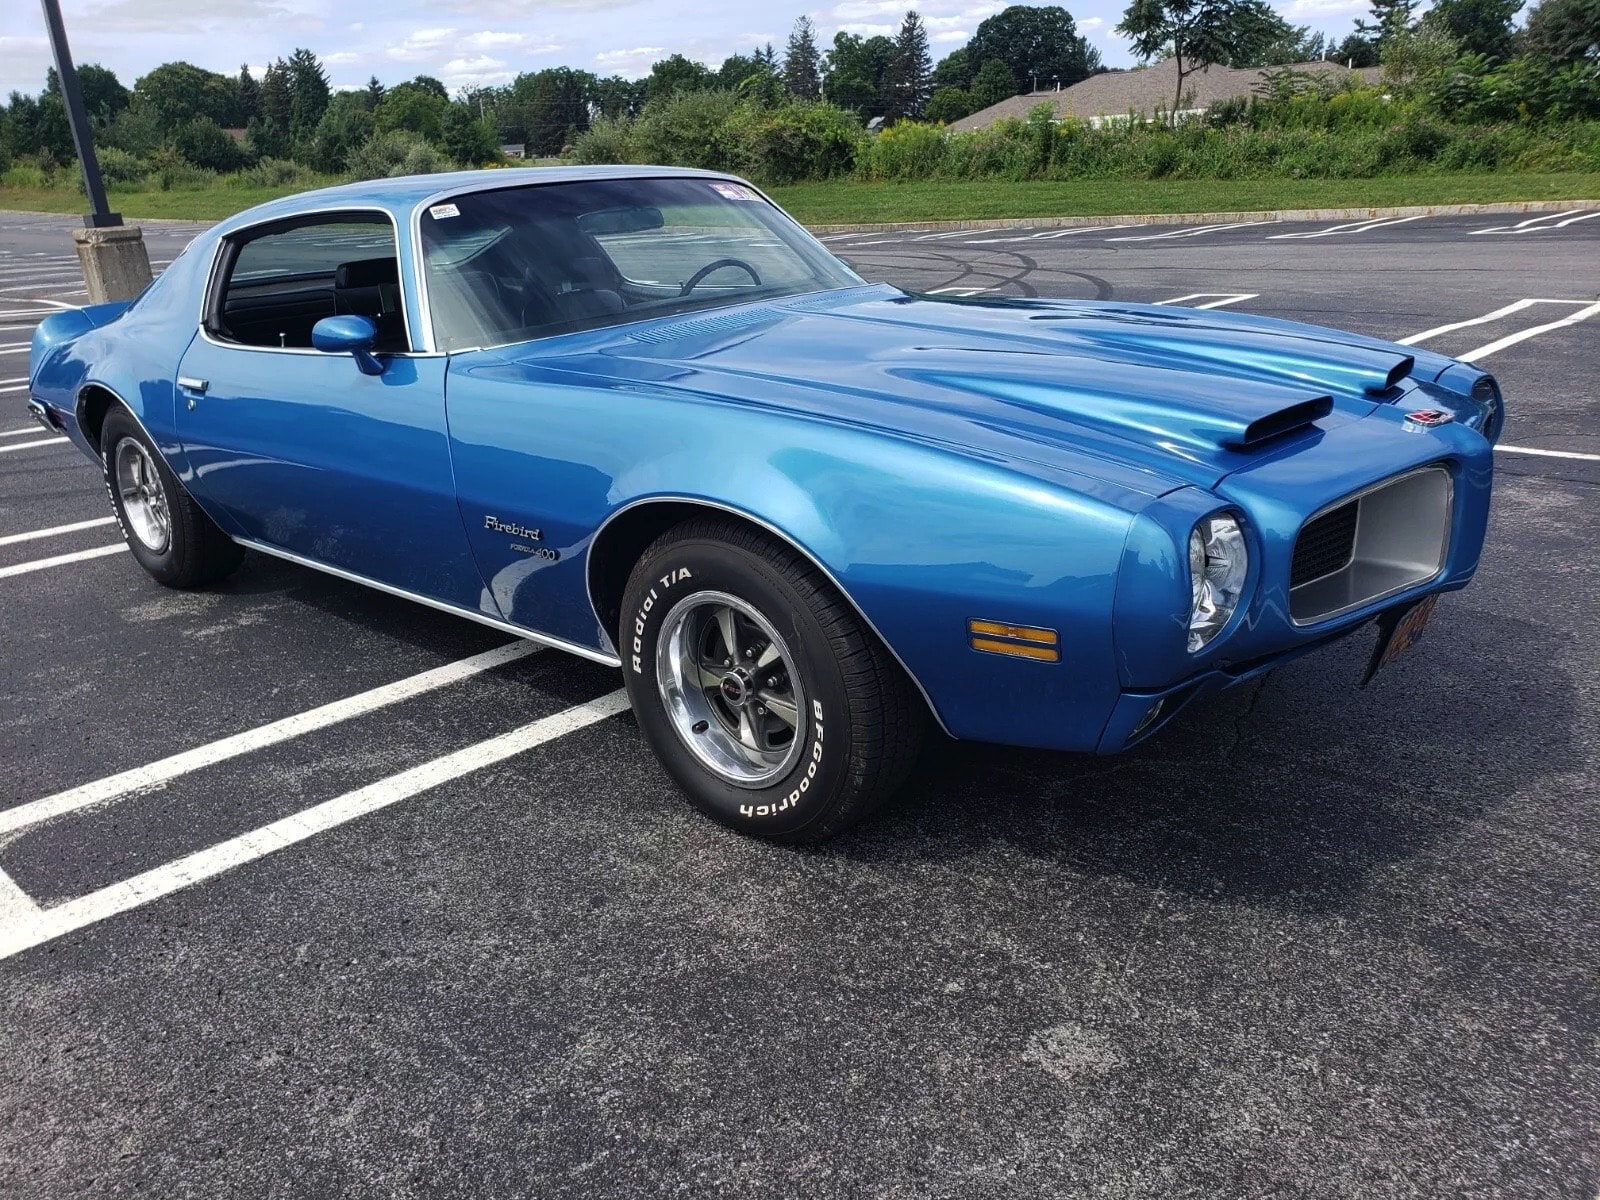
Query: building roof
1115,93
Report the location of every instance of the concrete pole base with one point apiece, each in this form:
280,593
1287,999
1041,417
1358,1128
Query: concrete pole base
116,265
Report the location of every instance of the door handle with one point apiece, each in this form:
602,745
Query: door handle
190,384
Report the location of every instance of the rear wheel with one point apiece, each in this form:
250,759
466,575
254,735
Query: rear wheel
165,529
758,686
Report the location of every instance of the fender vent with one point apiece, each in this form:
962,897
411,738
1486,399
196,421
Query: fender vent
1325,545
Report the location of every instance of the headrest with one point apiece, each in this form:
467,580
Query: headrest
366,273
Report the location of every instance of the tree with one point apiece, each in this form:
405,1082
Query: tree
1477,26
249,93
913,66
1356,51
374,92
616,97
1388,16
276,99
1262,38
308,94
992,84
801,77
1196,33
206,144
103,94
856,74
1412,55
412,106
469,138
178,92
1042,42
675,74
950,104
430,85
954,71
346,124
737,68
1564,31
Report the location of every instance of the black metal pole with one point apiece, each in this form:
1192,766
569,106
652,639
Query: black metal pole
100,214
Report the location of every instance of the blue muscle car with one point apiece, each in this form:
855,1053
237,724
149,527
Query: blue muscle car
640,415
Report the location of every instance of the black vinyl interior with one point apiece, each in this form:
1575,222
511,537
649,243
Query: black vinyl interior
280,310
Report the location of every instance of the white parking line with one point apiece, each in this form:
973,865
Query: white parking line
1574,454
1051,235
51,441
1535,225
15,904
21,431
141,778
958,291
60,560
1187,233
1522,335
1348,227
11,539
1487,318
31,929
22,349
1223,299
20,387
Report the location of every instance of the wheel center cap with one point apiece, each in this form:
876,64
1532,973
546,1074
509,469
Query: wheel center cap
734,689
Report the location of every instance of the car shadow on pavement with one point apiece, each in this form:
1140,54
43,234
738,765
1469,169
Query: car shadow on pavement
1292,790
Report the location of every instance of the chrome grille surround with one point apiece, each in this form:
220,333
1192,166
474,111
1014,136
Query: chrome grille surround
1400,535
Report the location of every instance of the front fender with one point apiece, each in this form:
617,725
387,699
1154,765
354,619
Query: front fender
921,539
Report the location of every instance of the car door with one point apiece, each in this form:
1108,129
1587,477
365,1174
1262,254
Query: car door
300,450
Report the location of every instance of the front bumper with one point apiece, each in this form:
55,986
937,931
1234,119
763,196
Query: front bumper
1138,715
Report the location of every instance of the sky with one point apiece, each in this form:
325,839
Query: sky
479,42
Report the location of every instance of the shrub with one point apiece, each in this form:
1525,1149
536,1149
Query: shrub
395,153
690,129
607,140
203,143
795,142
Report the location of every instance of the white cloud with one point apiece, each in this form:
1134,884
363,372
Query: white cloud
631,63
480,70
951,35
1319,9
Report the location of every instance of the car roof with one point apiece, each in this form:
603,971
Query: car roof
400,195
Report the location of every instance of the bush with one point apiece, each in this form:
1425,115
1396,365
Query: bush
690,129
203,143
795,142
607,140
395,153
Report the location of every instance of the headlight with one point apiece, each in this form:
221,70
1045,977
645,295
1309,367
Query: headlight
1218,563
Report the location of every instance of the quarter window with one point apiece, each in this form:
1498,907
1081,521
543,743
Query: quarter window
280,281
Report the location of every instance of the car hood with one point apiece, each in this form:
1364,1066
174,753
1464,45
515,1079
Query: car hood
1145,396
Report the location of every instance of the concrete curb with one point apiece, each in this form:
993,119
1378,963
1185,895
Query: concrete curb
1287,214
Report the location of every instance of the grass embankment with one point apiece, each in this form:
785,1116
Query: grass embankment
842,202
850,202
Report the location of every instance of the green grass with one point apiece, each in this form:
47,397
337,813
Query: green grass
193,204
847,202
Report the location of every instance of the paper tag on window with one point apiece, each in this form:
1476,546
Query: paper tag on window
440,211
734,191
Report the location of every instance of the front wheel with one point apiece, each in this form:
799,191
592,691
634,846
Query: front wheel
762,693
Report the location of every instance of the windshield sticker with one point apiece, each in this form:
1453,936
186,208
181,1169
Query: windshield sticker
440,211
734,191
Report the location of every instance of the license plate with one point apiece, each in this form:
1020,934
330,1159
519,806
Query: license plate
1398,631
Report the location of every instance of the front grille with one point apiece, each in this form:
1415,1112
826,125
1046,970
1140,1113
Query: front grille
1391,537
1326,545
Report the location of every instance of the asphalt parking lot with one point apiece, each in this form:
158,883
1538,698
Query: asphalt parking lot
1310,941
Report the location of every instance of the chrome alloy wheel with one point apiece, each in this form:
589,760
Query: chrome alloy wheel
729,685
144,500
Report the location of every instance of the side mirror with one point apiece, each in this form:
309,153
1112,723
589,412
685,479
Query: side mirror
349,335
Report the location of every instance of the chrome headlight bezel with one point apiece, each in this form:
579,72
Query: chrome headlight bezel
1219,568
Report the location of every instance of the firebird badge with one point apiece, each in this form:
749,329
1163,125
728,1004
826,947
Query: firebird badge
511,529
1428,418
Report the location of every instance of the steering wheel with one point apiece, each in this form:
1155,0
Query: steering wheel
694,280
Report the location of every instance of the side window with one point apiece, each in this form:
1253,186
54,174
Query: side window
285,279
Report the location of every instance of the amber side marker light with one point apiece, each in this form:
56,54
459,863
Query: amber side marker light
1018,641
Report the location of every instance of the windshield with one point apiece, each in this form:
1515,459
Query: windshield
527,262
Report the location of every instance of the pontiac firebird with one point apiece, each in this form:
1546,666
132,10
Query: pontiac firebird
641,415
